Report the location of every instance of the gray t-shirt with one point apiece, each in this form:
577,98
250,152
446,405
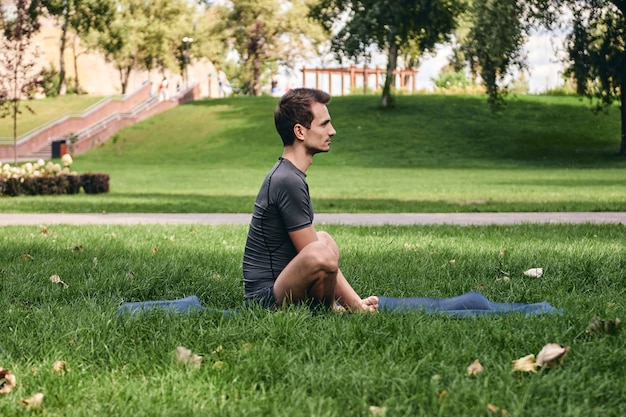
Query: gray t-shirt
283,205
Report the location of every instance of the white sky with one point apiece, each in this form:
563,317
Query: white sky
544,67
542,49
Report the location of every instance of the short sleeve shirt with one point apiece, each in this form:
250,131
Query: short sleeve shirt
283,205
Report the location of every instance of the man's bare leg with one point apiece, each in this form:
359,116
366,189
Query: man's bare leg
311,275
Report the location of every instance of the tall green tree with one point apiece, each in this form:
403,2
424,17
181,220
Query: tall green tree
597,56
77,17
269,33
19,73
145,35
394,27
596,45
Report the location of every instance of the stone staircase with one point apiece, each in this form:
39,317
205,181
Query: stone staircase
79,134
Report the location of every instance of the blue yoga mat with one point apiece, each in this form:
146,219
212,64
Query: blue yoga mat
182,305
470,304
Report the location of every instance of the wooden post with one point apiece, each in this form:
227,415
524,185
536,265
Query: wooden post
377,77
352,77
343,88
364,79
330,81
317,78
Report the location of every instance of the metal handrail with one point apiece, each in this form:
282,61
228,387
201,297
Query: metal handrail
103,122
114,116
25,136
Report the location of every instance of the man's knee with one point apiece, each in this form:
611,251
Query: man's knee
329,241
322,257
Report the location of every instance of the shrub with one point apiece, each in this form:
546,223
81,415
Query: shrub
95,183
43,178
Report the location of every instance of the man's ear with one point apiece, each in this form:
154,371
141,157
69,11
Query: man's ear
298,131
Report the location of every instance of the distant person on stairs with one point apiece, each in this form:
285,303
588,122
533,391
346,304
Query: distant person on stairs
163,91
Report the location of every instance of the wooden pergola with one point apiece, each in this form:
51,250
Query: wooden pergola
406,76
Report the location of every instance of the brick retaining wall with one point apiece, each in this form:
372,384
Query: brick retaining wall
105,120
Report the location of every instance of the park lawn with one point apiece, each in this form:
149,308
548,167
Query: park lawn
301,363
45,111
430,154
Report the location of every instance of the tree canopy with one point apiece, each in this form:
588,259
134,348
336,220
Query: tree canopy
79,17
596,45
266,34
394,27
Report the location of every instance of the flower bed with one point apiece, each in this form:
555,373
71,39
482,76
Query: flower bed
41,178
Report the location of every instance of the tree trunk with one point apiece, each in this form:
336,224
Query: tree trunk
66,18
256,76
255,49
125,76
15,102
76,55
387,99
622,151
14,105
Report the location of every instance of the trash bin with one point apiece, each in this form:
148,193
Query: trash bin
59,148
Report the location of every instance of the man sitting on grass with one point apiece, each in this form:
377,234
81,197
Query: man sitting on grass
286,261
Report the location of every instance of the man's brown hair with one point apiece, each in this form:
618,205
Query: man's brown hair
293,108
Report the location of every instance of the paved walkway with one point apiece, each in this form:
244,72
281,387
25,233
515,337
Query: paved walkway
463,219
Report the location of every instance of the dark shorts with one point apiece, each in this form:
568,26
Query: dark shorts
262,298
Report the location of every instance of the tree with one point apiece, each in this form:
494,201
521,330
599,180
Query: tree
268,33
395,27
19,74
597,54
595,45
78,17
498,25
145,35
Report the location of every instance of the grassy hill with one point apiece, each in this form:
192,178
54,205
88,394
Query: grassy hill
430,153
422,132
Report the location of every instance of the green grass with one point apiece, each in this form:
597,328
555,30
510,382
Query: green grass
298,363
45,111
430,154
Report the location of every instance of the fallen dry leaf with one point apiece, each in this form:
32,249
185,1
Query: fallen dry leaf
8,381
525,364
502,251
155,251
496,409
598,325
43,230
475,368
443,394
378,411
27,257
55,279
33,401
186,356
60,367
534,272
551,354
